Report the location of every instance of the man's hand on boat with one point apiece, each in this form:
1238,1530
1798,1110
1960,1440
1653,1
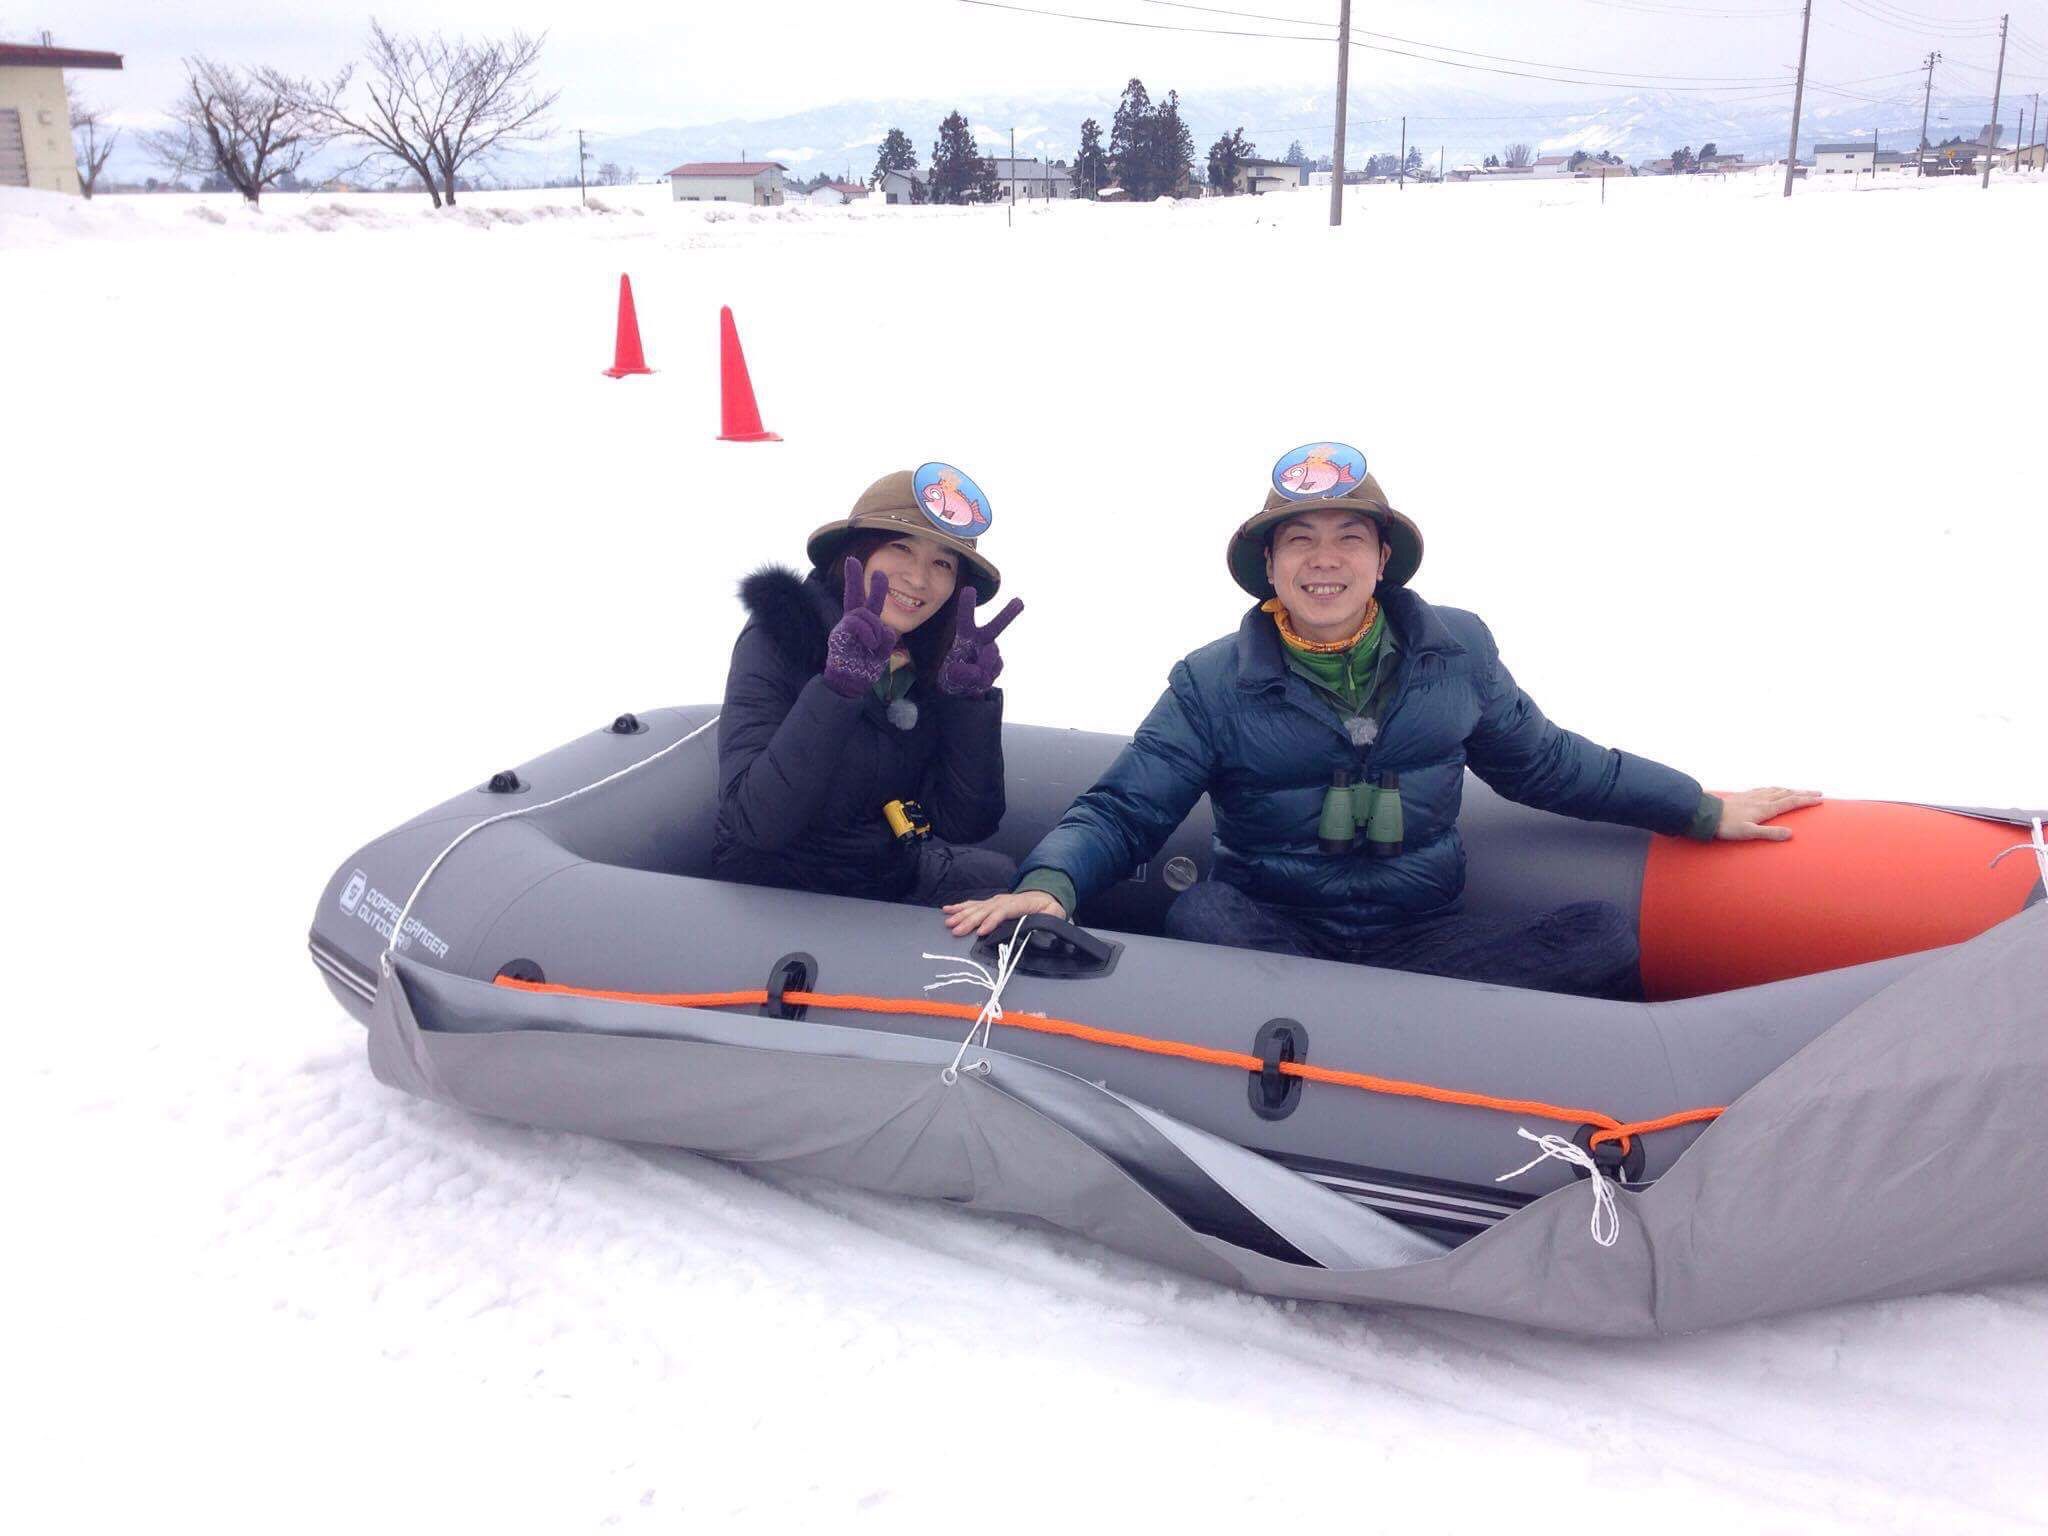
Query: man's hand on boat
1743,816
991,912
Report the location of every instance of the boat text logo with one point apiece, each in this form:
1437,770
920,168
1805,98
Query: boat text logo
377,912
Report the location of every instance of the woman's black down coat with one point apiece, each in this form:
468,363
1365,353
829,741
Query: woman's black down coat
804,773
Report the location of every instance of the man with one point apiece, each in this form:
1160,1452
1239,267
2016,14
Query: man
1332,734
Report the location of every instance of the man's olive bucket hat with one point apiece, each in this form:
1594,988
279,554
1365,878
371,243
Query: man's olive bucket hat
1322,477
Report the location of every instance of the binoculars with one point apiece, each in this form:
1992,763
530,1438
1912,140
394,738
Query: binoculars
1355,812
907,821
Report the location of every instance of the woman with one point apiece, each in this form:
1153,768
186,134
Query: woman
861,742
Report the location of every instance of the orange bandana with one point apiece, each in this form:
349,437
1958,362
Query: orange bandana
1278,609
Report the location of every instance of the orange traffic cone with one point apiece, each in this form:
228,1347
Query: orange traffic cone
626,355
740,417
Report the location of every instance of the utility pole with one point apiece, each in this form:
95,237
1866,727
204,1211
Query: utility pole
1343,94
1401,176
1798,97
582,195
1010,213
1926,101
1997,89
1439,165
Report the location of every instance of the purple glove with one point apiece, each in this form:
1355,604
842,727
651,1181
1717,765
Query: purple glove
859,647
973,664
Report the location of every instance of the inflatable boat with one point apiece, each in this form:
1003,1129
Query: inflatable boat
1834,1091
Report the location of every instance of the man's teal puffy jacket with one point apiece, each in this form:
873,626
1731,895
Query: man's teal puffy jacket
1237,722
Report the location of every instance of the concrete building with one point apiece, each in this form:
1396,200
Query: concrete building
1257,176
756,182
1031,179
1843,159
35,119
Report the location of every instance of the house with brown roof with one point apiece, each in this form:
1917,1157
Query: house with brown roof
35,117
757,183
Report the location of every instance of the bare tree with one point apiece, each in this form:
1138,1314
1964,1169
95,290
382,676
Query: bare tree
1519,155
436,105
91,140
246,126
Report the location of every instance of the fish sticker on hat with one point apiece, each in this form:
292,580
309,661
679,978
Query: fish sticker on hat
954,503
1318,471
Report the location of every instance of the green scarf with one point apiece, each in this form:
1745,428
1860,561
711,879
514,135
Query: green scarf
1347,675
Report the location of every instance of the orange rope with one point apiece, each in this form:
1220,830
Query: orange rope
1609,1128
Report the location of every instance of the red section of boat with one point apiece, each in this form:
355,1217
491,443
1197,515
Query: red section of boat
1858,880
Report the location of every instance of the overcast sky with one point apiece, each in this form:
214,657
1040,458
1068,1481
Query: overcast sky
629,64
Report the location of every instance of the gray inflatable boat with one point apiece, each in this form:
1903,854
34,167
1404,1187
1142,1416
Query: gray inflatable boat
548,948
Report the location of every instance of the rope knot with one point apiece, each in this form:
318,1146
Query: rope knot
977,975
1606,1223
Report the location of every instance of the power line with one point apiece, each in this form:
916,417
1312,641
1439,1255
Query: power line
1498,58
1695,12
1485,69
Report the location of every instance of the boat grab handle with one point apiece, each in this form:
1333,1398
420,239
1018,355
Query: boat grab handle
1054,949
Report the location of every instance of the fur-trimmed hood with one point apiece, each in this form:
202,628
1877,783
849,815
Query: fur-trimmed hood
797,614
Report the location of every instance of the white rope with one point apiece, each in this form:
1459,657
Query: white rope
398,928
2036,845
1606,1215
978,975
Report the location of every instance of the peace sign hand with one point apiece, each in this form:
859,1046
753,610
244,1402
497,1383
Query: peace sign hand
859,647
973,664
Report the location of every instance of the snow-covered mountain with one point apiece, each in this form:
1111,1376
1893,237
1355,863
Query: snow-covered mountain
842,138
1465,124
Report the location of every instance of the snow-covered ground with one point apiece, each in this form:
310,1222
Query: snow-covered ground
317,513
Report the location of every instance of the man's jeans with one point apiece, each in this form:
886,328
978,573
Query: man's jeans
1588,948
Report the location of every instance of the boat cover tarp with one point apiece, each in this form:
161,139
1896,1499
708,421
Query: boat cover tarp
1903,1150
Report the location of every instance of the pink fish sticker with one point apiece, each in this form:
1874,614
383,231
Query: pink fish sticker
951,500
1318,471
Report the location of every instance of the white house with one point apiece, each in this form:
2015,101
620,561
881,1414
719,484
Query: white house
1029,179
835,193
1551,165
35,119
758,182
902,186
1843,159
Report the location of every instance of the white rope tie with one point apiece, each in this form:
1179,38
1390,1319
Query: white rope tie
398,928
1606,1215
2036,845
978,975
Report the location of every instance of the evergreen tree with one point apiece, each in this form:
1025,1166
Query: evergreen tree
1707,152
1174,160
1294,155
1091,165
1492,163
1129,137
1226,156
1681,160
1414,162
957,167
987,189
896,155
